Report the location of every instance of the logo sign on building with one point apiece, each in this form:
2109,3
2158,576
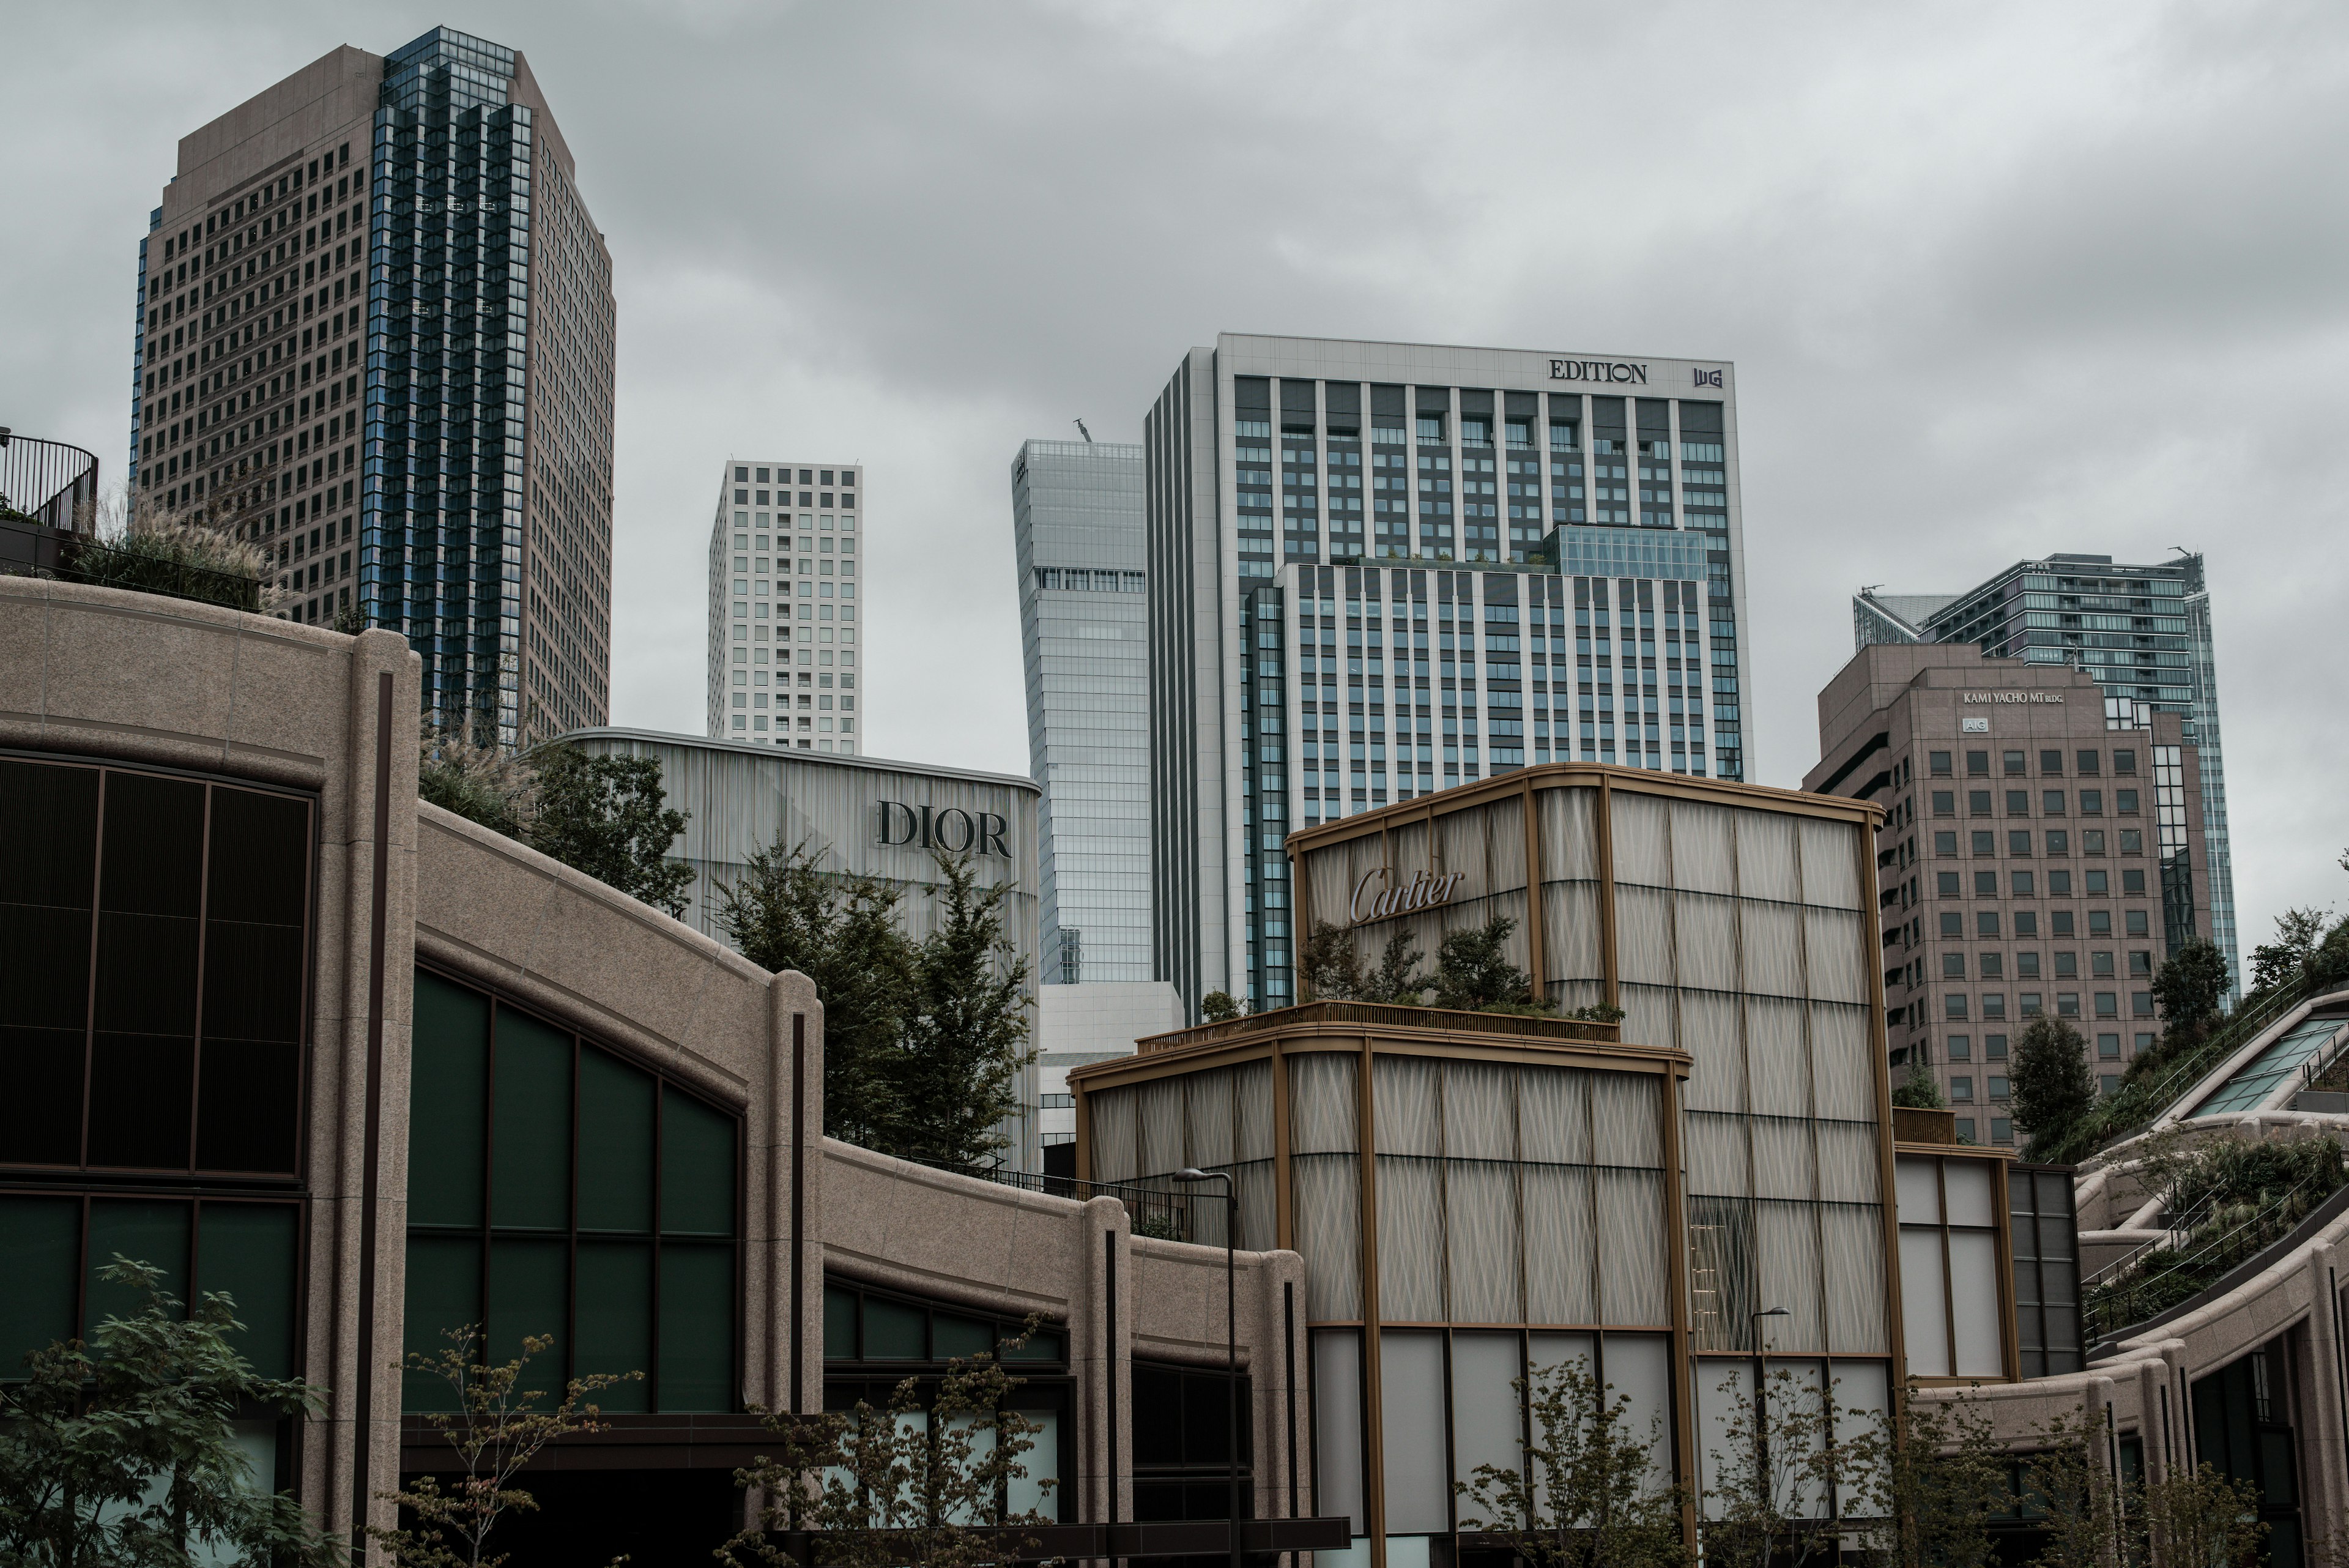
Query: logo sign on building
1597,371
1379,897
1707,377
1974,726
954,830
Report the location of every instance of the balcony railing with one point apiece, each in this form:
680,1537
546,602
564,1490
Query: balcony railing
48,483
1344,1016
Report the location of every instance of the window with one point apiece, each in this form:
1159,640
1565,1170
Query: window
1945,882
2088,763
1993,966
2026,922
1939,762
1960,1048
1978,802
1953,966
1965,1128
1994,1047
1962,1086
2051,762
2133,842
2059,842
2018,842
2013,761
2018,803
509,1225
2026,965
1997,1089
1056,1102
1953,1007
2051,803
1945,843
2067,1004
2108,1005
2141,962
1993,1006
1986,922
2091,842
2059,922
2029,1004
2092,802
1953,924
2124,761
2023,883
2140,922
1945,803
1985,843
1985,884
2125,804
2002,1129
2100,923
1978,763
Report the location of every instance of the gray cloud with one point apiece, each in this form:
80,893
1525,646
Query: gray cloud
1998,280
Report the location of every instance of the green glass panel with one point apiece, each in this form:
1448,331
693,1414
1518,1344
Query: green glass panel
530,1295
448,1092
444,1292
697,1328
41,1239
615,1133
960,1336
1040,1346
894,1331
530,1177
147,1231
839,1323
616,1320
697,1168
247,1251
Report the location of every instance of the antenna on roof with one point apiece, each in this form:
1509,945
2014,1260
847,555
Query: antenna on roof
1085,433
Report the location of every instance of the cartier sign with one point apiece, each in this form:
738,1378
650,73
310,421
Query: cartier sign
1379,897
953,830
1597,371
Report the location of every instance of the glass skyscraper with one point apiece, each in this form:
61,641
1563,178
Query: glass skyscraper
1077,528
1379,570
2142,632
376,337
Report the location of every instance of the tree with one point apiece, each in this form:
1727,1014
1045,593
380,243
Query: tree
479,780
2050,1077
1778,1463
904,1487
965,1038
1334,973
1473,974
1919,1089
1218,1007
606,817
2190,984
2299,934
129,1458
495,1432
2200,1517
845,933
1944,1481
1592,1494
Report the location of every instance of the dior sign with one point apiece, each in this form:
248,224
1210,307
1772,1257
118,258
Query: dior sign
953,830
1378,897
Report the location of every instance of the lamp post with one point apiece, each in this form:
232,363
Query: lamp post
1231,1338
1762,1425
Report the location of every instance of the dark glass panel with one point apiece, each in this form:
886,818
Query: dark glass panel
444,1292
448,1093
146,1230
41,1239
951,1335
616,1124
1158,1393
894,1331
43,966
139,1091
1042,1346
247,1250
697,1168
839,1323
530,1294
530,1177
1206,1415
245,1106
697,1328
40,1096
146,974
260,857
252,982
154,845
616,1320
51,858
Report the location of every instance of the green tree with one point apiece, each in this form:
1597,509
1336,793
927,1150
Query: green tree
1473,972
965,1038
1333,973
845,934
480,781
2190,983
2050,1077
2070,1490
1919,1089
1592,1494
2299,934
1942,1482
607,817
496,1431
129,1458
2198,1517
907,1486
1218,1007
1774,1461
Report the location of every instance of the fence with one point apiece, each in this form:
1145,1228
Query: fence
48,483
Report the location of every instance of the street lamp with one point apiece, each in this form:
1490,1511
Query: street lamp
1231,1338
1762,1424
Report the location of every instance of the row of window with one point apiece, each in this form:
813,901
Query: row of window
2088,762
1983,842
2052,803
1097,580
742,475
2032,1004
1992,966
2060,923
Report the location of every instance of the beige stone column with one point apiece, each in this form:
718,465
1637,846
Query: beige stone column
2323,1443
1101,1355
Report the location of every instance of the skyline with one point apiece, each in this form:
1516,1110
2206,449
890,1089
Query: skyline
2012,231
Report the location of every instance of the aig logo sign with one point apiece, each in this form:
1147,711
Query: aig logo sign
953,830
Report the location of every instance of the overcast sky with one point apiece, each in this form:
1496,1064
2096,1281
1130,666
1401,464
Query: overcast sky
1997,281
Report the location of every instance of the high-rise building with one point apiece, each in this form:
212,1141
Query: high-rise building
1077,533
1398,620
2036,858
376,337
2142,632
784,537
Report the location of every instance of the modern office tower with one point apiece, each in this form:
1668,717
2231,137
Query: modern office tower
1076,521
2142,632
1398,622
376,335
784,538
2035,852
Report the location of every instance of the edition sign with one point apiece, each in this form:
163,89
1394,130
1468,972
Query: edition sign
1597,371
1374,899
953,830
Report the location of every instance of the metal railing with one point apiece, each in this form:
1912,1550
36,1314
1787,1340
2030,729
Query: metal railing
2156,1100
1387,1015
2122,1305
48,483
2175,1232
1165,1213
